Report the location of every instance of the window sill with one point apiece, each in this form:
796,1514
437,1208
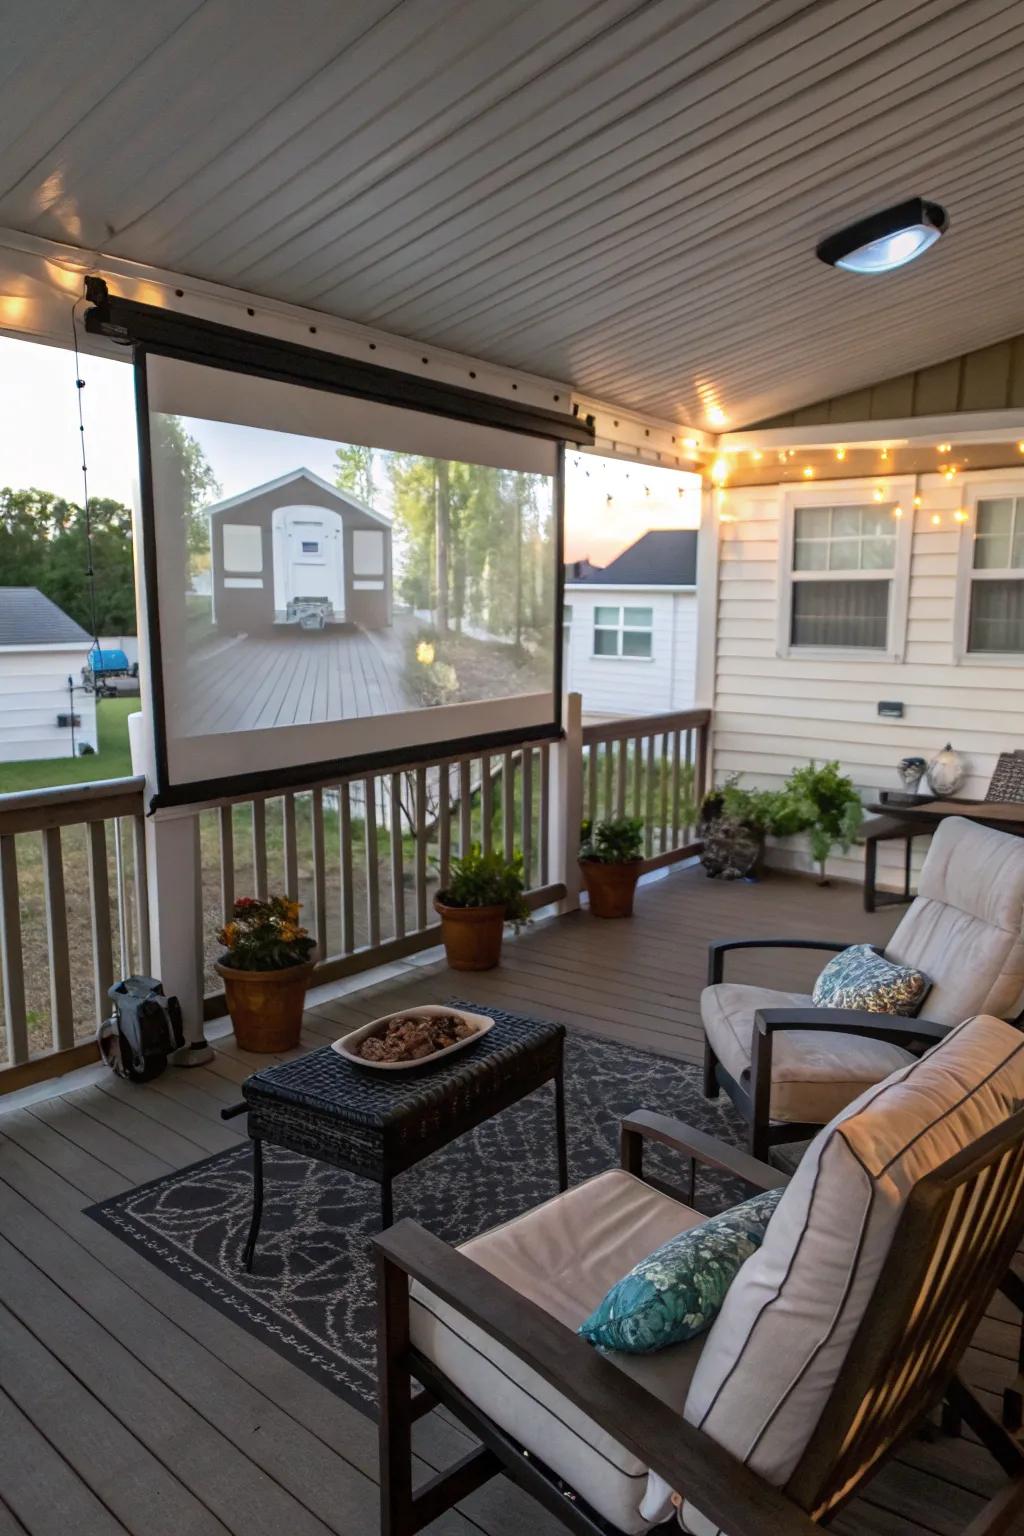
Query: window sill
644,660
990,659
837,653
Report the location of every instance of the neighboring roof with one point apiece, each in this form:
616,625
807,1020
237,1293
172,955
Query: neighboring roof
344,498
29,618
665,557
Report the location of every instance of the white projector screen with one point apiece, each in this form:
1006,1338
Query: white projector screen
339,581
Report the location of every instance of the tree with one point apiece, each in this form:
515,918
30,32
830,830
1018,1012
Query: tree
195,485
43,544
355,471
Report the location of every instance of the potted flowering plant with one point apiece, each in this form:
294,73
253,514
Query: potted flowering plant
484,892
611,858
266,968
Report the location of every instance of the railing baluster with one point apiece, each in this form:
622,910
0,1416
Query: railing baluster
486,803
545,811
10,938
508,805
291,847
227,860
259,847
465,806
444,822
348,942
124,913
620,794
421,847
141,890
526,834
607,806
701,765
675,789
397,865
638,775
372,873
99,896
62,1011
590,806
694,794
649,803
663,838
319,874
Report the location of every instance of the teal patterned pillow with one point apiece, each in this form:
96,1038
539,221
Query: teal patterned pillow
678,1290
861,979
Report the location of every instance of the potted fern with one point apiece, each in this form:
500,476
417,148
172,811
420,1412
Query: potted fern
484,892
266,969
611,858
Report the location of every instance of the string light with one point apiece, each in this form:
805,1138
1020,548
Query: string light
808,472
949,473
840,454
719,471
757,455
936,519
917,501
878,493
897,511
885,453
943,447
959,516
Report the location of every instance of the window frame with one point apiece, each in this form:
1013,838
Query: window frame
898,492
974,492
620,629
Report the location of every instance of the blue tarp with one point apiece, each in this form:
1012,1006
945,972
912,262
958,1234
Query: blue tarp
107,661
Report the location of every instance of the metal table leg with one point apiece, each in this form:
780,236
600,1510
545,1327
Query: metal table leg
257,1203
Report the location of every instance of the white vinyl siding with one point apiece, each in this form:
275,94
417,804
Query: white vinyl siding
33,692
611,686
776,707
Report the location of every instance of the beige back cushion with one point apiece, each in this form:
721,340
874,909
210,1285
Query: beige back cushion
964,930
776,1348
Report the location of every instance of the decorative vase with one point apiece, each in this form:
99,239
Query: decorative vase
266,1006
611,887
911,771
947,772
471,935
732,850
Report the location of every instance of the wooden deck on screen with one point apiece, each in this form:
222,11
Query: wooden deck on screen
129,1405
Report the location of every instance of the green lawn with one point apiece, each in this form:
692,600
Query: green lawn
112,761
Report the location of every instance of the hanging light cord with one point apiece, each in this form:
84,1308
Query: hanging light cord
90,569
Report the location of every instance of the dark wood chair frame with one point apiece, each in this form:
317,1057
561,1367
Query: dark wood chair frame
900,1358
753,1101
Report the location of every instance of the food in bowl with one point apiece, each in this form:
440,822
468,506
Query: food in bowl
410,1037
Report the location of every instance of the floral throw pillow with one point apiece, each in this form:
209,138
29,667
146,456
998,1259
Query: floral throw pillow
678,1290
861,979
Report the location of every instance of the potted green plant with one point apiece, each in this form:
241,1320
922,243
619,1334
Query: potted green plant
611,858
266,969
483,893
827,806
734,823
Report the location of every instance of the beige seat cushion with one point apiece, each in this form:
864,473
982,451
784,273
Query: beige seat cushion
777,1346
565,1255
815,1074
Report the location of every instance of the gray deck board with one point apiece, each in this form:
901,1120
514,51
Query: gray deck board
106,1363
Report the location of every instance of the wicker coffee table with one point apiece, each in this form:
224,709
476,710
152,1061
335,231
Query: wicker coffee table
378,1124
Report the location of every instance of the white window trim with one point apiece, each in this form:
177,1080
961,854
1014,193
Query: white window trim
979,490
620,629
898,492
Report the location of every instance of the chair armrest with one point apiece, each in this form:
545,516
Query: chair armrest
723,1488
646,1125
719,948
848,1021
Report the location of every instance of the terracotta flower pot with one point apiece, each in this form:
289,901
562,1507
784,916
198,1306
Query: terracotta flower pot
471,935
611,886
266,1006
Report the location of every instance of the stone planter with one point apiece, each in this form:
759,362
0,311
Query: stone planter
611,887
471,935
266,1006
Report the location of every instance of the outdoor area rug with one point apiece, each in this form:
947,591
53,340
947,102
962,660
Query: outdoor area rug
312,1295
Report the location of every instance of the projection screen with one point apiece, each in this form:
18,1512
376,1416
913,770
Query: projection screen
334,577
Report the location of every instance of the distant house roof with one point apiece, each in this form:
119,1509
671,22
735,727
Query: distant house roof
29,618
295,477
665,557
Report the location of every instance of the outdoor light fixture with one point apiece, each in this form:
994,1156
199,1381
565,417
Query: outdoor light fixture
887,240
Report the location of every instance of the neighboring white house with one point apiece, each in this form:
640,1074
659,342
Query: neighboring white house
40,650
868,620
631,627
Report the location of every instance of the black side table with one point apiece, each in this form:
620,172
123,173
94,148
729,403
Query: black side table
378,1124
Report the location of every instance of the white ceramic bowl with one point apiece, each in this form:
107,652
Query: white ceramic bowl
348,1045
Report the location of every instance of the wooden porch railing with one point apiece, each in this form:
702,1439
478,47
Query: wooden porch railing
73,915
365,856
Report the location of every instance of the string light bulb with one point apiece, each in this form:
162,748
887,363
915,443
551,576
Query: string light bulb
1020,447
959,516
917,501
840,454
949,473
936,519
897,511
719,471
878,493
808,472
885,453
757,455
943,447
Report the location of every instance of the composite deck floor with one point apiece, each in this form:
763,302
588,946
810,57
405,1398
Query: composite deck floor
129,1405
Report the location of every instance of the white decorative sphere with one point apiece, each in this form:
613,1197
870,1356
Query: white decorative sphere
947,772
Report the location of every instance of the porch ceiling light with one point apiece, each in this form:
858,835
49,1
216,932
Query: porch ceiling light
887,240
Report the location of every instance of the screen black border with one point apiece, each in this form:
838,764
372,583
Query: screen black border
149,330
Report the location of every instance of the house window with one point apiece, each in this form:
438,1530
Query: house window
243,547
995,622
624,632
843,564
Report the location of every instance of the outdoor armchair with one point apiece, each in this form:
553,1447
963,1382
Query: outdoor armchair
880,1261
789,1067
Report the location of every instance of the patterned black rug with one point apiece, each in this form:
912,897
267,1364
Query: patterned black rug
311,1296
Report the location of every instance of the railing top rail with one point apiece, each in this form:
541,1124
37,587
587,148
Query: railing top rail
35,809
644,725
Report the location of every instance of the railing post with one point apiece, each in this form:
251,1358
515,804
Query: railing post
565,803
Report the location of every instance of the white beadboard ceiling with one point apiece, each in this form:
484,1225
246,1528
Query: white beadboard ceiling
626,195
